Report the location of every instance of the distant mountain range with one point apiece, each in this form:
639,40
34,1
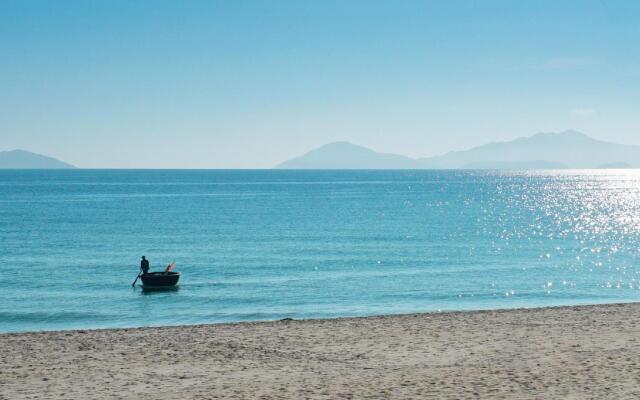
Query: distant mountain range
569,149
21,159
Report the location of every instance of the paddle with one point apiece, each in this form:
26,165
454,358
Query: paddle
134,282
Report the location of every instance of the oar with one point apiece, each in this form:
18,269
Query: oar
134,282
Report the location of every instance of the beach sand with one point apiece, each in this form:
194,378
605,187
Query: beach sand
566,352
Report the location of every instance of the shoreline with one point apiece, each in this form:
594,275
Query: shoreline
561,351
266,321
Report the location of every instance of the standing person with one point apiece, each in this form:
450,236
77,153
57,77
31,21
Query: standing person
144,265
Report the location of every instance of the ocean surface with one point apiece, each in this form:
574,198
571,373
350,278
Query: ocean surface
272,244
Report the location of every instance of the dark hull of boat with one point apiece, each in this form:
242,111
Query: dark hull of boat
160,279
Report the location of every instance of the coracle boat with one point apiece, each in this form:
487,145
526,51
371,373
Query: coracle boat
160,279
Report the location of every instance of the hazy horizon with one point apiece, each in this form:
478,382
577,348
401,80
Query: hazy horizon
250,84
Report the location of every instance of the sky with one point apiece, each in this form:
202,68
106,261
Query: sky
248,84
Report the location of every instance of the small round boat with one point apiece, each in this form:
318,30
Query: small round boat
160,279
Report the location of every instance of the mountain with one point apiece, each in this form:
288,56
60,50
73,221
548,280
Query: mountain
21,159
574,149
514,165
569,149
344,155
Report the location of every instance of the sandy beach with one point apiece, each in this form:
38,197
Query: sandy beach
566,352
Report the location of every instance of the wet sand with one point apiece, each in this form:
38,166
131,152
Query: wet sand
566,352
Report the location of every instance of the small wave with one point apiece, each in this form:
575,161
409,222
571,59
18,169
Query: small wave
58,317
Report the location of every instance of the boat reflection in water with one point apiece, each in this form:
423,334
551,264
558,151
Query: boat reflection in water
159,289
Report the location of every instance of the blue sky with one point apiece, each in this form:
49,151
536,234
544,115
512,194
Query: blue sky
247,84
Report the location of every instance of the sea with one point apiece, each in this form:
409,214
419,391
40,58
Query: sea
271,244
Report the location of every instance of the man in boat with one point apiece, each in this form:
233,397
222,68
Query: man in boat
144,265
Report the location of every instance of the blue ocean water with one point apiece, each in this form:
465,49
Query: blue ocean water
261,245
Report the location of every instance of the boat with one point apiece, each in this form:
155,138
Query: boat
160,279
